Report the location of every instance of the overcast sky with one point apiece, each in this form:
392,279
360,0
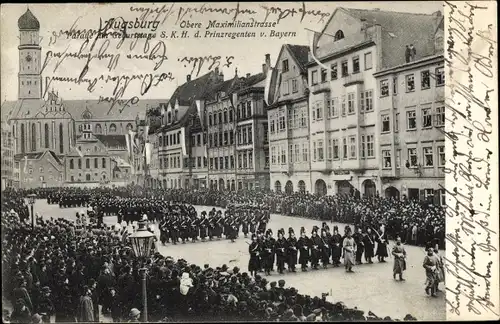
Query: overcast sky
248,53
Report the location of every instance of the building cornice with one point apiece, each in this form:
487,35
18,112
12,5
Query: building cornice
412,65
341,53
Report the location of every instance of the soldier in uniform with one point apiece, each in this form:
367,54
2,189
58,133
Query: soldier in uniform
194,231
183,227
174,232
369,242
336,242
325,248
268,252
203,224
303,245
245,224
254,249
358,238
252,222
315,248
163,230
281,249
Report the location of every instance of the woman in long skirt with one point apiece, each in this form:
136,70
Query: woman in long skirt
431,265
349,247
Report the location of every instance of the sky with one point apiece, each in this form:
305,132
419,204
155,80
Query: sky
248,53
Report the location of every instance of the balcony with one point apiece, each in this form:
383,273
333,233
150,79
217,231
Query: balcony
353,78
389,173
320,87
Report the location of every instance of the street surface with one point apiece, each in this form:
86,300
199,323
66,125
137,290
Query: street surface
370,288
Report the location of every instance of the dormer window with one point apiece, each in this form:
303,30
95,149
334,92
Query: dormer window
339,35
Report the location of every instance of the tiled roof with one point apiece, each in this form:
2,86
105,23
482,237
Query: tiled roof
37,156
29,108
400,29
112,140
300,53
191,90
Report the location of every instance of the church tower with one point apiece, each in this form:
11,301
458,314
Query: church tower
30,57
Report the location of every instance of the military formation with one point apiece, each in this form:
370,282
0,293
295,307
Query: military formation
320,249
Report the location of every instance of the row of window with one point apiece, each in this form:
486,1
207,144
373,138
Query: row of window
221,117
279,123
425,82
88,177
170,161
87,163
297,118
34,138
221,139
98,128
171,139
197,140
286,84
344,64
244,158
429,119
245,135
298,153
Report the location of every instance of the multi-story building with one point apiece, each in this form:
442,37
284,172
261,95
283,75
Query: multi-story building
41,170
7,157
172,151
41,122
289,123
412,119
252,141
345,109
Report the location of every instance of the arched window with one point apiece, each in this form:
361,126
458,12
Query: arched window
129,126
339,35
225,116
87,163
61,138
98,129
169,117
112,128
71,164
95,163
47,135
87,177
277,186
33,137
80,164
103,163
231,115
302,186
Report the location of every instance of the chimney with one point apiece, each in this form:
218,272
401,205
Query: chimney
268,60
188,77
264,68
217,71
248,75
437,13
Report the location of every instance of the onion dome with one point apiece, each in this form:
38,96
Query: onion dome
28,21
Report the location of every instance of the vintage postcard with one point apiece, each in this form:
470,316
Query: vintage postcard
249,161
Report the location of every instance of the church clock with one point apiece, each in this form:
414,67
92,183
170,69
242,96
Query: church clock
28,58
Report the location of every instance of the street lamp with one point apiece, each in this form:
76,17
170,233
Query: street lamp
142,243
31,202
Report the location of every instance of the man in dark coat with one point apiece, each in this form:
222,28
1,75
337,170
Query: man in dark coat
281,249
291,250
315,248
303,246
336,242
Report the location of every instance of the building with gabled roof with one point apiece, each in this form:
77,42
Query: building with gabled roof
40,169
353,115
288,123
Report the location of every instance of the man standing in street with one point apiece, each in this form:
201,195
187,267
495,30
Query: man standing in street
399,253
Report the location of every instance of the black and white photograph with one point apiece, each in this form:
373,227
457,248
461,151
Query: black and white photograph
249,162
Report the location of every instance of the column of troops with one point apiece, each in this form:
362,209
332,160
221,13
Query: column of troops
318,249
177,226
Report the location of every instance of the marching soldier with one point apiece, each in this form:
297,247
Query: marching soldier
174,232
163,230
268,252
253,222
325,248
245,224
336,242
358,238
194,229
291,250
303,245
281,248
254,249
183,226
204,223
315,248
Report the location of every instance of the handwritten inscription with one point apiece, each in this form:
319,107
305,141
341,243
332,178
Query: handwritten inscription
471,237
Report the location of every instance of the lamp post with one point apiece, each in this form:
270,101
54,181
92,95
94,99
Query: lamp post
31,202
142,242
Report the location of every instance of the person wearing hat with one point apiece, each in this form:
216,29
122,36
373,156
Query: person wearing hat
303,245
281,249
335,242
46,306
85,311
291,252
134,315
268,251
316,244
431,265
21,313
399,253
254,249
381,252
348,247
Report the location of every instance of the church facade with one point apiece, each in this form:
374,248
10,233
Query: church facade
38,124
